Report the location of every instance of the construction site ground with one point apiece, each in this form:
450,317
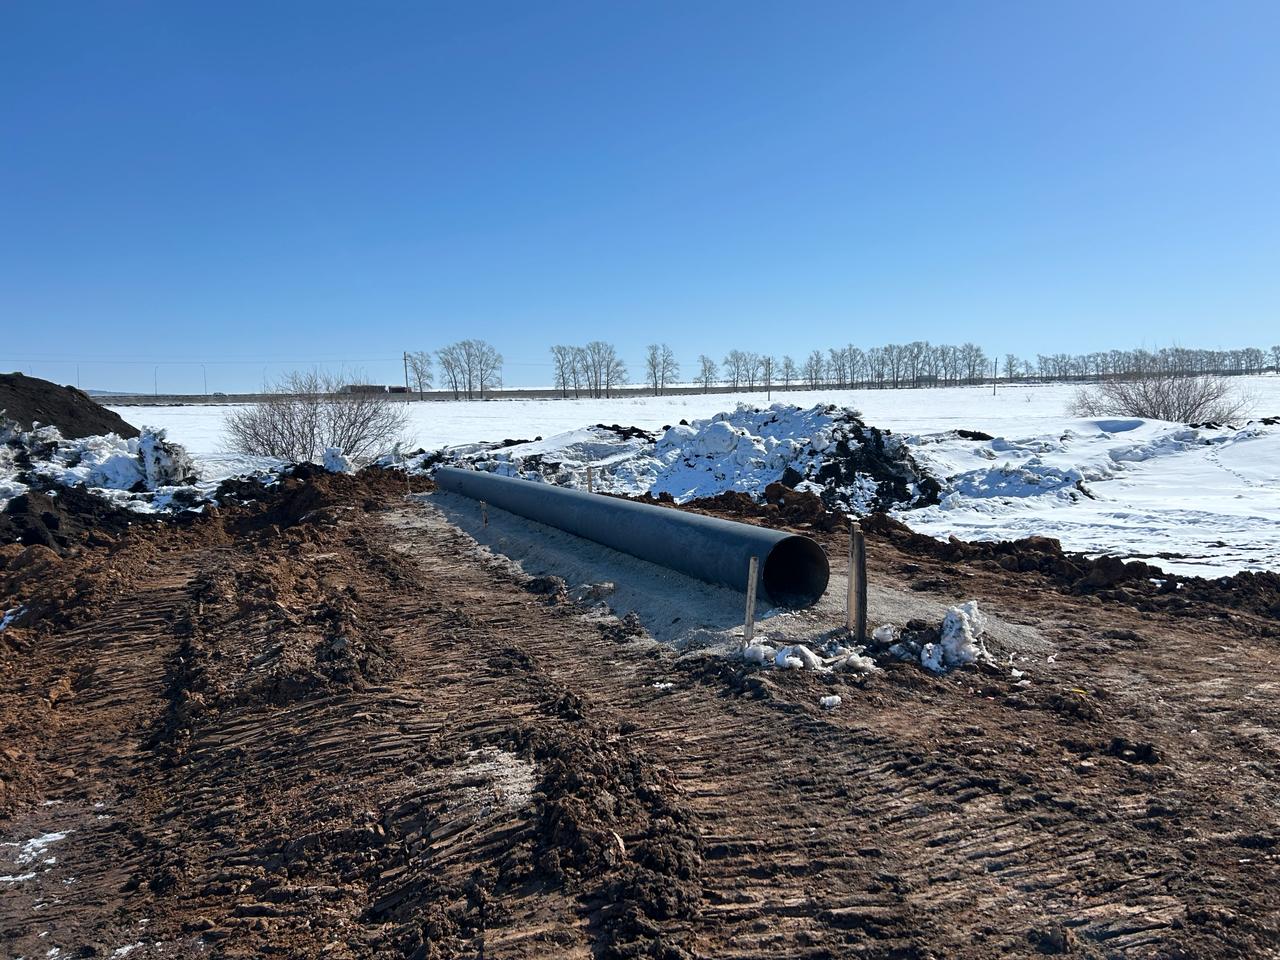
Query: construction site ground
325,724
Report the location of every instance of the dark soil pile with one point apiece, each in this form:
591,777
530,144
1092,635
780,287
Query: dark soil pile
71,517
30,400
868,452
1109,578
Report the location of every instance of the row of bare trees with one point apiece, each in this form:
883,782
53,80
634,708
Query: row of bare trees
468,368
1132,364
471,368
595,370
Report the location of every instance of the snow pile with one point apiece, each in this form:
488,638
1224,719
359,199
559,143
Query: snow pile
960,641
335,461
957,642
147,473
823,449
1196,500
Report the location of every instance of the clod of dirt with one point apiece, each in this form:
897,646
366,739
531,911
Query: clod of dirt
1051,940
555,589
30,400
1131,752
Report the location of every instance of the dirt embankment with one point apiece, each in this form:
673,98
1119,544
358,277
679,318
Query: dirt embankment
30,400
316,722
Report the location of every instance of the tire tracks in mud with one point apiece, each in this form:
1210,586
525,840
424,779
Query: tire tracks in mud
357,737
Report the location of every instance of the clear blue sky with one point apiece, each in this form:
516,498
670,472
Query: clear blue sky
261,185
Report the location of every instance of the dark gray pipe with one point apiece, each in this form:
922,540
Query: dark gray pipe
793,569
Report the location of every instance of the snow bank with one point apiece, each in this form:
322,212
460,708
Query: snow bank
1198,501
146,474
823,449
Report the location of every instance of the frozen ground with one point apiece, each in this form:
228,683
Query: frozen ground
1200,502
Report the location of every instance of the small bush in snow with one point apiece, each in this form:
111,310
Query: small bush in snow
304,414
1172,397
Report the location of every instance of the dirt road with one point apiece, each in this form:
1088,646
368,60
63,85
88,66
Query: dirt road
336,732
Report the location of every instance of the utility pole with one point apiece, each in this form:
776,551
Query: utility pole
995,372
406,371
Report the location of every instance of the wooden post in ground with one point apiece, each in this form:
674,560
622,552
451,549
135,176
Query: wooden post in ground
749,624
856,599
484,513
589,486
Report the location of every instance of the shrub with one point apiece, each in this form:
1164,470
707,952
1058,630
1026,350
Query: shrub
305,414
1178,398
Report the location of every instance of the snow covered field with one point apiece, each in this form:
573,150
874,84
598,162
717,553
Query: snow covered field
1199,502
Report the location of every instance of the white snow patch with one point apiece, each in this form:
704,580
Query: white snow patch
960,642
335,461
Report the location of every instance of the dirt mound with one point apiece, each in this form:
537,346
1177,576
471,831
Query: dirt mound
72,516
1108,578
30,400
863,452
307,493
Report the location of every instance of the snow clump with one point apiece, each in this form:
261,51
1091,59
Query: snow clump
335,461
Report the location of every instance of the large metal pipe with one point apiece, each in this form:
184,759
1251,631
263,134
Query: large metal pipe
793,569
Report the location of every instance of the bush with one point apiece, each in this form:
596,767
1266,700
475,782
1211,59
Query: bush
305,414
1180,399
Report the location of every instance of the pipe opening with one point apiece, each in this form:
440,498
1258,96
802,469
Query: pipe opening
796,573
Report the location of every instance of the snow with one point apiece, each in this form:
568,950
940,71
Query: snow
961,642
336,462
146,474
1192,501
830,702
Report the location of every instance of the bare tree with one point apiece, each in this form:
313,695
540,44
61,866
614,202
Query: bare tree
453,368
1275,359
1010,366
661,368
565,362
735,368
306,413
1162,396
788,372
471,367
603,369
813,370
707,372
419,362
768,367
486,366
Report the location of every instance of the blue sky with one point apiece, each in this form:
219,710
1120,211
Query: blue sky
262,186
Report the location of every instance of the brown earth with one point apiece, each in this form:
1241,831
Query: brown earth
318,726
30,400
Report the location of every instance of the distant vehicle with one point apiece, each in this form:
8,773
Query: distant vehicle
218,393
373,388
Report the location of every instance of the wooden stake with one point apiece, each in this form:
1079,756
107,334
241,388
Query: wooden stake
484,512
856,599
589,487
749,625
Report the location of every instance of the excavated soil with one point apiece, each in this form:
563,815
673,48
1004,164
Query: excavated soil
30,400
316,724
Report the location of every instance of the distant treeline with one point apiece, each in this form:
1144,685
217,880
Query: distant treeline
471,368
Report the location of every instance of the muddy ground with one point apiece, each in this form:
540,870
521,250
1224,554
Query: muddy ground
323,727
